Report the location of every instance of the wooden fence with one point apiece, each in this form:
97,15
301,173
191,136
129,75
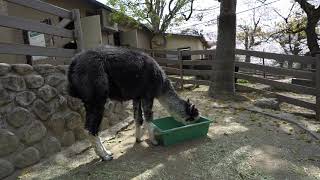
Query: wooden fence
175,65
32,25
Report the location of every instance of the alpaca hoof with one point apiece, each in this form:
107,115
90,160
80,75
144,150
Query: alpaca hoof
109,153
138,140
106,158
154,142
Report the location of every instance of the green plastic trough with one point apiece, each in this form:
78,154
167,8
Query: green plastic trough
168,131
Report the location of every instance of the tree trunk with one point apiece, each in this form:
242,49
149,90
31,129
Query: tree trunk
312,35
222,79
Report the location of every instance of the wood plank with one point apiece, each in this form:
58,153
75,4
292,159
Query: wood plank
198,62
166,60
192,81
44,7
280,57
318,88
63,23
21,49
277,70
282,98
296,102
278,85
199,52
193,72
160,51
171,70
31,25
78,30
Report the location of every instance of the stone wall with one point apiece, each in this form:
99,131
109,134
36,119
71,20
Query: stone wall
37,117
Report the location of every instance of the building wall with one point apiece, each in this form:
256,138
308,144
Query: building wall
175,42
129,38
144,39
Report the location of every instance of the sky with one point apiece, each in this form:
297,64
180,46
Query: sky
245,9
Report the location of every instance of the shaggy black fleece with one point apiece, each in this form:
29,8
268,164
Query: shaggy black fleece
113,73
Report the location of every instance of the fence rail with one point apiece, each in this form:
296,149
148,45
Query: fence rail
31,25
180,70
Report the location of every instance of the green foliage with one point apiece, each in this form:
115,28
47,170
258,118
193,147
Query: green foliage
157,15
290,34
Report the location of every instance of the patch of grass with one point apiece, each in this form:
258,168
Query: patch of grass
318,130
242,81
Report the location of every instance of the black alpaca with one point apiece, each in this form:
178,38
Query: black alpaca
120,74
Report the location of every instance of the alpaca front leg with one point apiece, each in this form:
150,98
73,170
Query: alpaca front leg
93,119
137,114
148,115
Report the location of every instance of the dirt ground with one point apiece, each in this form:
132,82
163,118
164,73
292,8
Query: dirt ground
240,145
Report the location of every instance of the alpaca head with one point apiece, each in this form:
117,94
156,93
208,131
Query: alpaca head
187,113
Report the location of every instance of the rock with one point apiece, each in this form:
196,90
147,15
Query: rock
48,146
27,157
47,92
55,79
63,68
25,98
53,145
72,120
22,69
8,142
19,117
41,109
268,103
57,124
44,69
6,168
33,132
58,104
4,69
5,97
80,133
68,138
74,103
63,88
13,82
34,81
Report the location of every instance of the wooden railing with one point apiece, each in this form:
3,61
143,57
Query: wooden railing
32,25
175,66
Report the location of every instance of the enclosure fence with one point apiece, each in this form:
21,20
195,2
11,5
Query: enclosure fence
59,30
172,62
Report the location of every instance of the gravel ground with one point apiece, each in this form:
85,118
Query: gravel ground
240,145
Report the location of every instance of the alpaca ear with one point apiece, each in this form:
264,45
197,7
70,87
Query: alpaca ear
188,101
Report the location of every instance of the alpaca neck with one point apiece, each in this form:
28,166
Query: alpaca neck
172,102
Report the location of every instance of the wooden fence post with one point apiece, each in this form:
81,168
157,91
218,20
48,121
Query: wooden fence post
77,29
181,68
318,87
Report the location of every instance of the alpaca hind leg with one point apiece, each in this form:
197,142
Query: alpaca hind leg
94,113
147,105
137,114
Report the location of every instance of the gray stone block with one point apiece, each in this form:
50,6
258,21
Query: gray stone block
41,109
19,117
27,157
5,97
22,69
73,120
32,133
6,168
25,98
34,81
47,92
68,138
13,82
55,79
8,142
4,69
